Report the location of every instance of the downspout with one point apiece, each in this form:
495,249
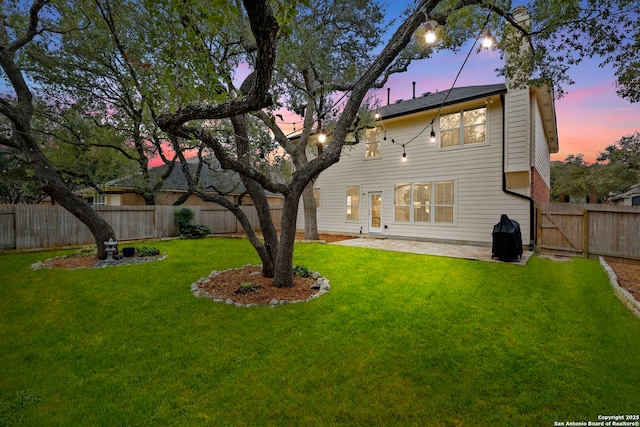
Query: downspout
504,178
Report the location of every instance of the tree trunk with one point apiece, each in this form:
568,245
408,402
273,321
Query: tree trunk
284,261
310,213
53,185
257,194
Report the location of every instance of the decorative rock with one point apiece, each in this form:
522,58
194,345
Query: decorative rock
321,284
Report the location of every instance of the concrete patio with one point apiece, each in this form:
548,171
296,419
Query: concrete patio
478,253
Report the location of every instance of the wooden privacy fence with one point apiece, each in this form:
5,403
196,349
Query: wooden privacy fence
42,226
589,230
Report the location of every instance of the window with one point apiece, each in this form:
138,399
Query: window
100,199
316,196
443,201
372,146
421,200
415,202
463,128
353,203
402,202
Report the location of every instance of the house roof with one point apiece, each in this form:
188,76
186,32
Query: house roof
634,191
430,100
212,178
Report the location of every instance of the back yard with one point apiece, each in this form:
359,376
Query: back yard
399,340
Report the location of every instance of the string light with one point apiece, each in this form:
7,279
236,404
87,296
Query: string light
322,136
430,36
487,41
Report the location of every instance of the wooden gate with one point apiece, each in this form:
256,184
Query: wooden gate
589,230
560,228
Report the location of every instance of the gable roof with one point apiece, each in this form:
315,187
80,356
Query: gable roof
433,100
212,178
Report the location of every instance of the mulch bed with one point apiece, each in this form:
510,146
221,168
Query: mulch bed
628,276
228,285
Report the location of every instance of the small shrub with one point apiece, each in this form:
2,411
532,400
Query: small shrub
246,288
300,271
194,231
183,217
148,251
84,251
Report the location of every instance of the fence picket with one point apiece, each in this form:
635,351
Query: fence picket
589,229
43,226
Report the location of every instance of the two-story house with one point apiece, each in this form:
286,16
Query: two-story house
444,167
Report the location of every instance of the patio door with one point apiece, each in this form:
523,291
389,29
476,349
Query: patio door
375,212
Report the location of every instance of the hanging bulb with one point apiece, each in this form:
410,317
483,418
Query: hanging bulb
377,116
430,36
404,154
487,41
322,136
384,138
433,135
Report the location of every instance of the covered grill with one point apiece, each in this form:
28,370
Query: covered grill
507,240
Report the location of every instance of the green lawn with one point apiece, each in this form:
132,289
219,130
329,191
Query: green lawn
399,340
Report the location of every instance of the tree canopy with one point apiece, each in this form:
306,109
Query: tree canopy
616,169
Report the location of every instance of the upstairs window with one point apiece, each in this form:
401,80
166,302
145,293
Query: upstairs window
463,128
372,145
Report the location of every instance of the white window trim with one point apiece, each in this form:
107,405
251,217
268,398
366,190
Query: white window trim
102,197
366,142
358,206
431,222
462,145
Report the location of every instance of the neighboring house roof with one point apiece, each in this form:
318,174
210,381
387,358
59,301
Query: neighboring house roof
634,191
212,179
430,100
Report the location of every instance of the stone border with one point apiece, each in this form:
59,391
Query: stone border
321,284
41,265
626,298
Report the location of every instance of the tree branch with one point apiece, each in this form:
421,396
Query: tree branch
265,30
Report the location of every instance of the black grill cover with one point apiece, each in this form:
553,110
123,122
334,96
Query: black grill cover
507,240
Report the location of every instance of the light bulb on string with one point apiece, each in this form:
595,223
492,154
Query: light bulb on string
487,41
432,138
404,154
430,36
322,136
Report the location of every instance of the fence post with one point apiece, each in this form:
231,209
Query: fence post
585,233
538,229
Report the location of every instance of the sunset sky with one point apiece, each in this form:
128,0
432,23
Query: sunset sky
590,116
